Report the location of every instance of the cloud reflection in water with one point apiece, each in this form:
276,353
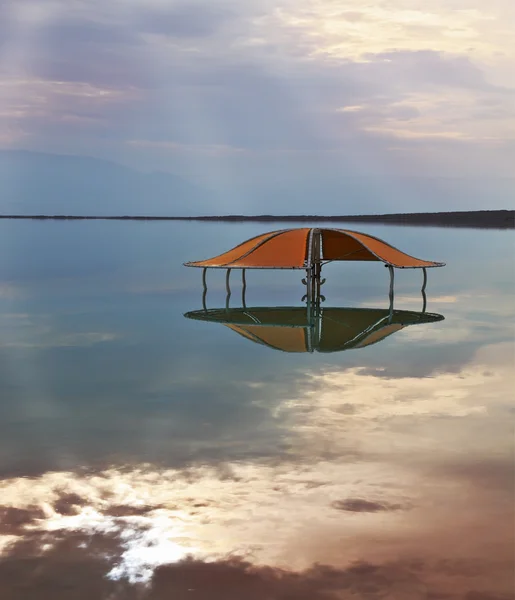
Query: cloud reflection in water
412,475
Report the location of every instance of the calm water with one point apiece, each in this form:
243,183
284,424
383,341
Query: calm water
147,455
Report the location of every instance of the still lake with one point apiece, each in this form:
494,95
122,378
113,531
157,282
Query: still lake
147,455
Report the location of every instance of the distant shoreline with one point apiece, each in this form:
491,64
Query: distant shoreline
478,219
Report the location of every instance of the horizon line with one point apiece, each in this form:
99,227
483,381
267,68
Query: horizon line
498,219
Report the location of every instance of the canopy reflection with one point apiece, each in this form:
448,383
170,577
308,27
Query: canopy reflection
326,329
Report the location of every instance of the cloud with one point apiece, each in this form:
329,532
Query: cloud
187,77
187,20
209,149
497,475
416,464
359,505
325,28
10,291
80,562
433,68
13,521
223,91
236,579
76,564
50,339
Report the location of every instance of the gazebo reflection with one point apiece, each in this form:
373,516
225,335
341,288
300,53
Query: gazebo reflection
313,327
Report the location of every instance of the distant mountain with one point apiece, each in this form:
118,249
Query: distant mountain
39,183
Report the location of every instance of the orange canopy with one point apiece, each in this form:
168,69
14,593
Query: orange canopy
303,247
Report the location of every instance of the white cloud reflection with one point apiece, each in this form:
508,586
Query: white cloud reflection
412,449
36,331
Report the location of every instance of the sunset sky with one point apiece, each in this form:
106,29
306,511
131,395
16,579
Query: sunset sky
293,94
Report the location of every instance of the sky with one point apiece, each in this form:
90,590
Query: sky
293,95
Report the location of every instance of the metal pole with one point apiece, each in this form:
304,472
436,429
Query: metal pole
390,268
312,293
316,259
424,297
307,281
244,288
317,270
317,318
313,286
204,284
227,287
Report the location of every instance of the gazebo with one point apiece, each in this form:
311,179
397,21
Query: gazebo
309,249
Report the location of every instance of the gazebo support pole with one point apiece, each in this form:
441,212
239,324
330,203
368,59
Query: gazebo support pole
318,271
313,285
204,284
243,288
424,297
315,272
309,290
317,318
390,268
228,288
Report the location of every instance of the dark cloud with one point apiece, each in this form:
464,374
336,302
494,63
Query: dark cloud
69,504
65,32
94,53
366,506
13,521
347,408
232,579
235,579
76,566
187,20
119,510
68,48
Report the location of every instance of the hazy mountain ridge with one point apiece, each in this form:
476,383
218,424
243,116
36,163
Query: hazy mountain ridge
35,182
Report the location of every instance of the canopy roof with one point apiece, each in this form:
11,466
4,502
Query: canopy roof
334,329
303,247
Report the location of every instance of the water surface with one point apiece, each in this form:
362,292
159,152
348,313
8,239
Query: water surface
147,455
